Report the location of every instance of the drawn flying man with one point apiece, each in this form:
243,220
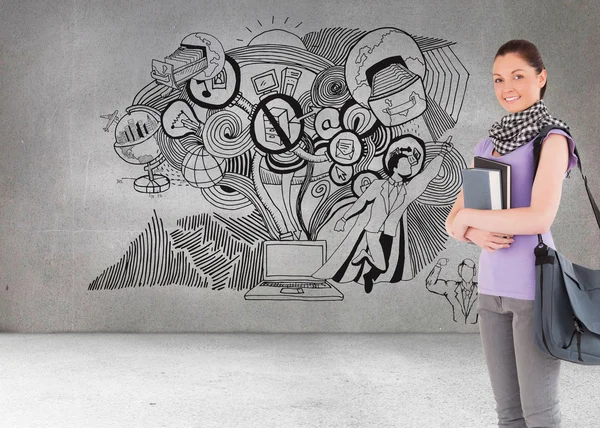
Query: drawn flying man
384,202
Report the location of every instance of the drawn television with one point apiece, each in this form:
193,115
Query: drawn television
265,82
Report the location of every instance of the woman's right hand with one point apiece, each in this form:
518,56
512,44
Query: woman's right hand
489,241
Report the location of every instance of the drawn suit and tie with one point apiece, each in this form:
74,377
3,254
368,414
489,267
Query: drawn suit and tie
462,295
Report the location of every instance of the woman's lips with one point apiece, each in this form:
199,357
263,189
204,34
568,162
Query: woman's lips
512,99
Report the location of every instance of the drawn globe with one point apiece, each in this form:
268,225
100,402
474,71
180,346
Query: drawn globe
201,169
376,46
215,54
135,140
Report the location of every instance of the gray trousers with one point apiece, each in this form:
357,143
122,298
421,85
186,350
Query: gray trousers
524,379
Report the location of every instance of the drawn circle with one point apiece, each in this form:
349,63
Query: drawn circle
179,120
223,135
341,174
201,169
213,51
358,119
409,147
345,148
208,94
135,137
329,88
273,127
376,46
327,122
362,180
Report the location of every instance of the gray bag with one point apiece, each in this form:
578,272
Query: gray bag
567,298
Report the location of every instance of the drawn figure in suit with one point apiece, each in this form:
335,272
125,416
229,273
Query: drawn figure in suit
379,211
461,293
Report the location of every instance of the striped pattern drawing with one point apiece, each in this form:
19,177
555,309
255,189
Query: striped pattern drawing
206,250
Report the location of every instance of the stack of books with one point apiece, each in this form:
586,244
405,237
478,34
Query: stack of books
487,185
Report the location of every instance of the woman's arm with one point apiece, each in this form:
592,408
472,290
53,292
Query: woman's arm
545,197
459,204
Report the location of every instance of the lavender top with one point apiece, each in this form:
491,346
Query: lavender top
510,272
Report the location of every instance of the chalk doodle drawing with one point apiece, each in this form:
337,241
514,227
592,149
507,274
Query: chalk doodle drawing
339,132
460,294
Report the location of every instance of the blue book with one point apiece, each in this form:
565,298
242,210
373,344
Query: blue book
482,188
481,162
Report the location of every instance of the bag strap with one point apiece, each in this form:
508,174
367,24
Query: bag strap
537,150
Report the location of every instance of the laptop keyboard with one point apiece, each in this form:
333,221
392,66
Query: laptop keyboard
320,284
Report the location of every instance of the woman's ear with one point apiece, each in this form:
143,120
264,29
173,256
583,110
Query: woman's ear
542,77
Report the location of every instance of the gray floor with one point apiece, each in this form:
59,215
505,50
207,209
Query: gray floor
260,380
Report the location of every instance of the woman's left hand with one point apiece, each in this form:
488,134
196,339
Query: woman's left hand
459,226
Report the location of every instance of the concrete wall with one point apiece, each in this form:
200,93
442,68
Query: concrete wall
91,242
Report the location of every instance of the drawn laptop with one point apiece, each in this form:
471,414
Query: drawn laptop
287,270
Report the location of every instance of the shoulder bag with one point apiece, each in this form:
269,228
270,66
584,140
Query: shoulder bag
567,297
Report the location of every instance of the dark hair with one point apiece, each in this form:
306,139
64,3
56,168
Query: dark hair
393,163
529,52
469,263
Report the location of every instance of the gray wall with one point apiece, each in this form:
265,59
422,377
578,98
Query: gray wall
74,228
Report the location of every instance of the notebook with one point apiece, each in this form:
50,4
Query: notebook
482,188
481,162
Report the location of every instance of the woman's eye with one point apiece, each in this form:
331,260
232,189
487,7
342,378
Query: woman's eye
497,80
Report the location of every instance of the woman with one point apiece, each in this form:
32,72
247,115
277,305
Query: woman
524,380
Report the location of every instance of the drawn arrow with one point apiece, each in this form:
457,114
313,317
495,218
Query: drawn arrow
313,111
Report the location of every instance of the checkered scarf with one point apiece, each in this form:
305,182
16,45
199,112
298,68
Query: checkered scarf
516,129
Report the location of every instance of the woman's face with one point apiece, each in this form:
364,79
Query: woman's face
515,79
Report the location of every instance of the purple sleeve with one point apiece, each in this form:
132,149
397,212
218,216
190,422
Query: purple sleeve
479,147
572,156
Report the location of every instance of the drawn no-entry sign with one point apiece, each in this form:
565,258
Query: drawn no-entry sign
275,124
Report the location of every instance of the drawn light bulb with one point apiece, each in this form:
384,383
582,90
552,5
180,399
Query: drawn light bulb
179,120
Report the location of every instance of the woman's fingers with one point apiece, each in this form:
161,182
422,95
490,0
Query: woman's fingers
499,245
500,239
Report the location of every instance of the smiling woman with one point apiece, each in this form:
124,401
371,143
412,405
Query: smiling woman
524,380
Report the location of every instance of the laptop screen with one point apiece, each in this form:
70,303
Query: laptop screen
293,259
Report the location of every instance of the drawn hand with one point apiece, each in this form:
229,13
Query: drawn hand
446,148
340,225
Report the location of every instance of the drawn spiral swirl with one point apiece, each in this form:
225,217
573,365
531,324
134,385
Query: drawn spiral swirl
224,136
321,190
329,88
